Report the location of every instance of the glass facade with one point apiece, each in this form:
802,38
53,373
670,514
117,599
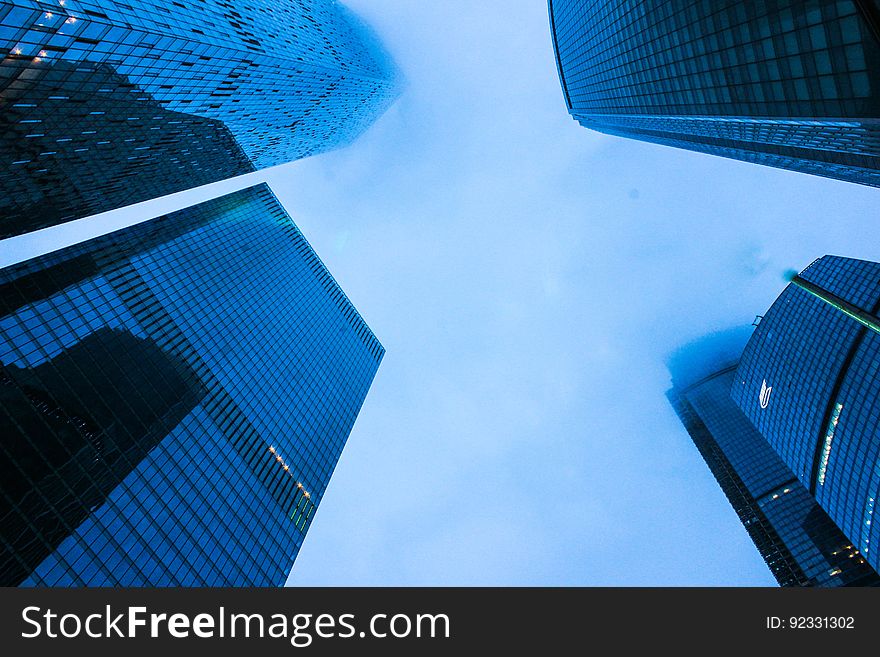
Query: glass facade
786,83
175,396
801,545
106,103
809,380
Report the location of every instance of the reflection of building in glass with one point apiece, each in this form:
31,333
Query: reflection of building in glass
78,425
180,392
818,352
286,80
120,146
790,83
799,542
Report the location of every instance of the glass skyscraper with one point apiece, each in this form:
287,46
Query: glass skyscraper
809,381
104,103
799,542
174,396
793,84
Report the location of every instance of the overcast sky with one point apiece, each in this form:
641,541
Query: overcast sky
528,279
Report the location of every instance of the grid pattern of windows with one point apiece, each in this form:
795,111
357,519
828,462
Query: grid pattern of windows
153,97
823,369
178,394
786,83
799,542
119,146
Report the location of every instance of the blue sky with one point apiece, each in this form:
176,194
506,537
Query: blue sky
528,279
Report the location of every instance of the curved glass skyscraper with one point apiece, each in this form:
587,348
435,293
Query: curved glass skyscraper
801,545
174,397
809,381
793,84
104,103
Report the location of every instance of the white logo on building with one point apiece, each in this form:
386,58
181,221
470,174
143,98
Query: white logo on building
764,397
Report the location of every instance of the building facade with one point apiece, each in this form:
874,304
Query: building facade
175,397
793,84
104,103
801,545
809,381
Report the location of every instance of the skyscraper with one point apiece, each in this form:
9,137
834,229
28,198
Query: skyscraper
809,381
799,542
793,84
105,103
123,147
175,397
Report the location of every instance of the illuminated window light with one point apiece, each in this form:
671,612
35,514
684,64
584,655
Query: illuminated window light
286,468
866,528
826,447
